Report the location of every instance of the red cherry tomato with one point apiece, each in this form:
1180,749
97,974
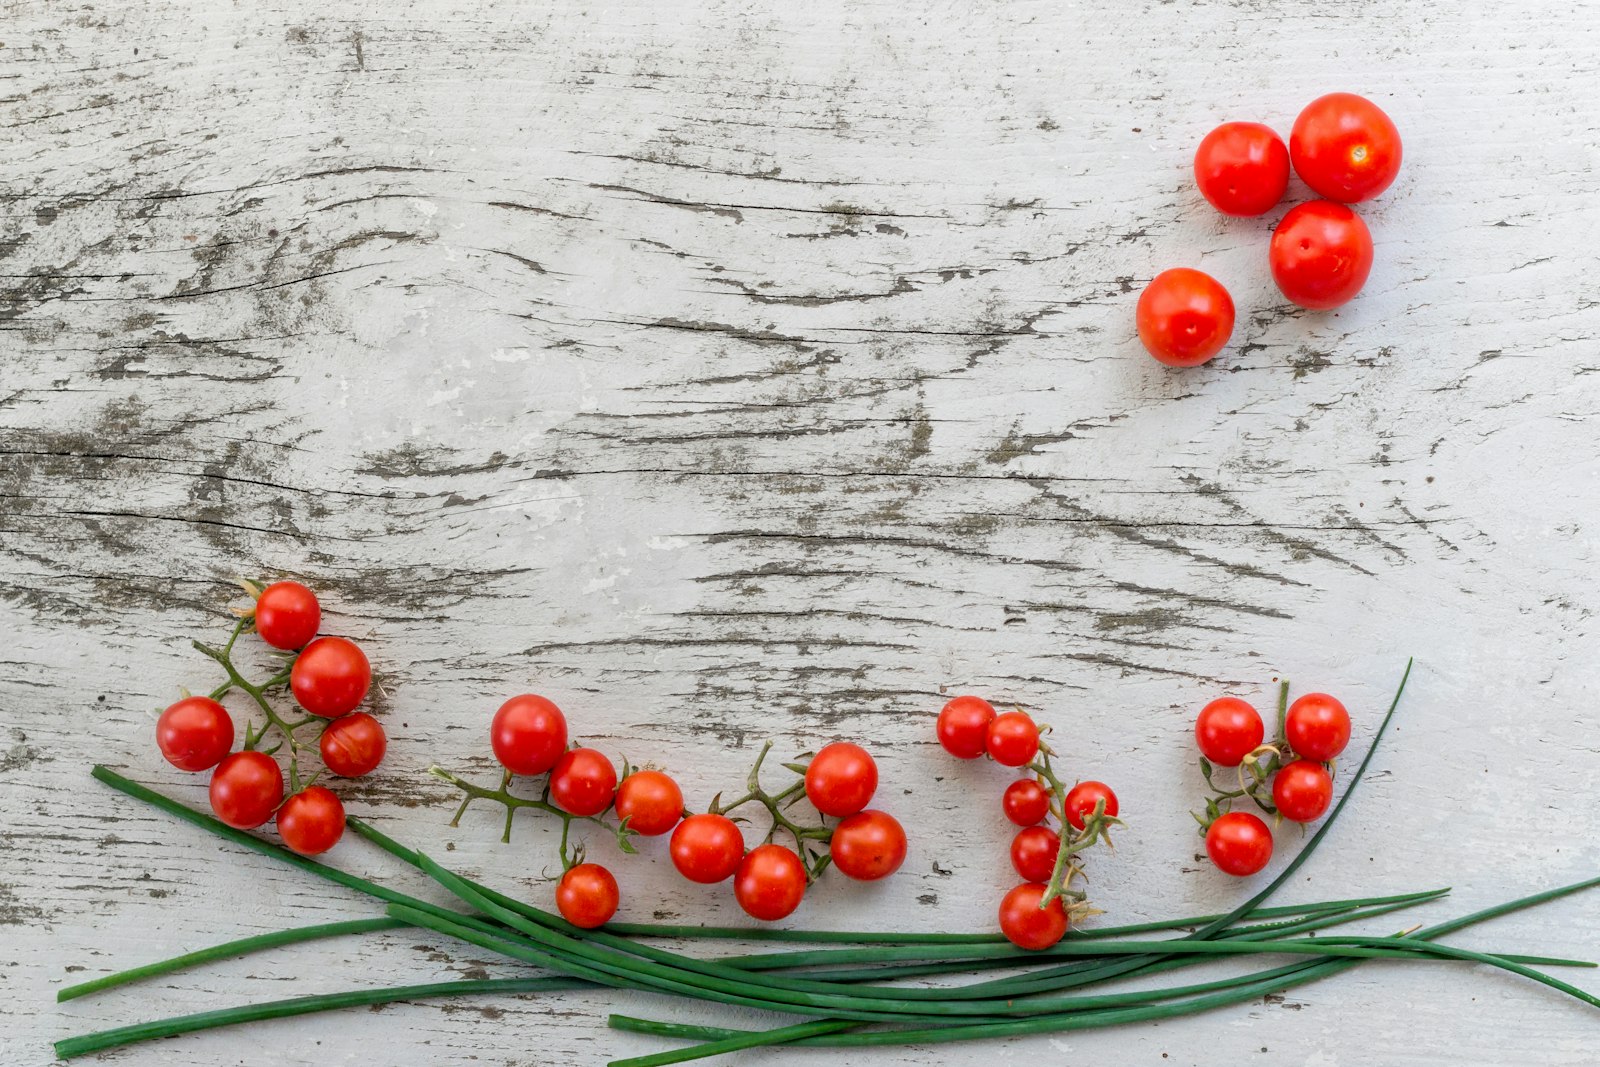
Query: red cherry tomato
583,782
1027,925
1320,254
1082,799
194,734
707,848
1033,853
1184,317
1302,791
964,726
1239,843
1026,802
1013,739
1227,730
312,821
587,896
245,788
528,734
353,745
287,615
770,882
1345,147
1317,727
650,801
1242,168
868,845
841,779
330,677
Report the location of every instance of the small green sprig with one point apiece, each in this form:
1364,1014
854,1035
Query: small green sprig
571,854
810,841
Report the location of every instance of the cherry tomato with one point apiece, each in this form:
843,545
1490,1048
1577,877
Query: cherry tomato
330,677
707,848
1026,802
194,734
587,896
964,726
1317,727
1027,925
1184,317
650,801
353,745
1227,731
1345,147
1321,254
1081,801
528,734
1239,843
583,783
287,615
841,779
245,788
770,882
1013,739
312,821
868,845
1242,168
1302,791
1033,853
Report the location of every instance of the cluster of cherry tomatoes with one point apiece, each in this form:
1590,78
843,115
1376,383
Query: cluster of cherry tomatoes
1034,914
1347,150
1291,778
329,677
529,737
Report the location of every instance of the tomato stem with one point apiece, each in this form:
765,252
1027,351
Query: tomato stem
1096,828
504,797
804,835
236,680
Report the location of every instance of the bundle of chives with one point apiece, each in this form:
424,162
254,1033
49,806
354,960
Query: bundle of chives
853,1012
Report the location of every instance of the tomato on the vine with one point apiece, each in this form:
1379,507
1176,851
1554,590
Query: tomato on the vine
1345,147
330,677
195,733
1082,799
1239,843
1227,730
1242,168
528,734
353,745
1033,853
963,726
841,779
245,789
287,615
1320,254
650,801
1025,801
1302,791
707,848
583,782
1184,317
312,821
770,882
868,845
587,896
1026,924
1317,727
1013,739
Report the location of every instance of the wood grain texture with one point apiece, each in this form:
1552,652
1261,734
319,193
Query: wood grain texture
729,371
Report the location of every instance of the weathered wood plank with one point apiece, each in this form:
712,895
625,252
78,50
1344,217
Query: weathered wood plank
730,373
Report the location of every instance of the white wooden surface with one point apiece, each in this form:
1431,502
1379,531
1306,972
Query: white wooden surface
733,370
